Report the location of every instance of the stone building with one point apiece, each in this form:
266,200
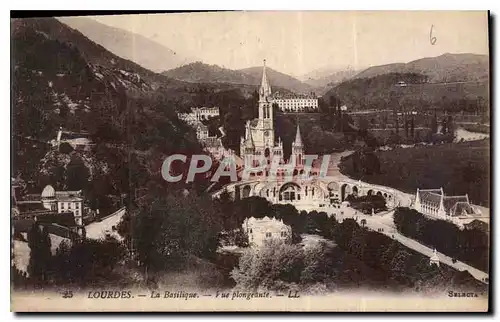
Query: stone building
64,202
260,141
262,230
199,114
296,103
434,203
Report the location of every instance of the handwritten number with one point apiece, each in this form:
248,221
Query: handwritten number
431,38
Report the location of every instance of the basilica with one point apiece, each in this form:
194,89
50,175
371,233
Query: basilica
259,140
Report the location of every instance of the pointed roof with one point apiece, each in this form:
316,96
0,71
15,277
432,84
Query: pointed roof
249,140
265,87
298,137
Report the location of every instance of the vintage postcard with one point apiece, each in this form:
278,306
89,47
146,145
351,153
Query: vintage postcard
334,161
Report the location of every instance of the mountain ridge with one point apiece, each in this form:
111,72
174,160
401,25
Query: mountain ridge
444,68
128,45
199,72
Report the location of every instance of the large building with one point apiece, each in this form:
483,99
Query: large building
199,114
262,230
296,103
259,140
64,202
434,203
211,144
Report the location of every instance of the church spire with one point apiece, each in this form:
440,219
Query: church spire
265,88
298,137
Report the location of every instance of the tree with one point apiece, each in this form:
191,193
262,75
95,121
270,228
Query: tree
77,174
449,123
65,148
318,264
241,238
434,126
274,266
344,232
88,262
40,253
167,229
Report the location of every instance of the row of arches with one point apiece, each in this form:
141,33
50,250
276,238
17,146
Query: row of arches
346,190
291,192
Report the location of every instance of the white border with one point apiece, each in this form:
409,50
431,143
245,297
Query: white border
199,5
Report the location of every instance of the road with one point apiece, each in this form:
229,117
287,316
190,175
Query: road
99,229
385,223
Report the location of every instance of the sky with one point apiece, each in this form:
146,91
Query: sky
298,42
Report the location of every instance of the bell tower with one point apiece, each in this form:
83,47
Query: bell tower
266,115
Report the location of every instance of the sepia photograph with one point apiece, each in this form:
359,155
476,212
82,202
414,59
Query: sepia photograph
265,161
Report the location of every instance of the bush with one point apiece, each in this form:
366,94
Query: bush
468,245
278,266
241,238
65,148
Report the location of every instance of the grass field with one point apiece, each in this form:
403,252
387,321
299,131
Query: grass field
458,168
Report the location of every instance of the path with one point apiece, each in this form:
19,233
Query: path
99,229
385,223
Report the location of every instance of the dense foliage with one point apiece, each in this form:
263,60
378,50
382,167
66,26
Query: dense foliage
468,245
459,168
233,213
80,263
367,204
360,258
281,267
382,92
164,230
40,255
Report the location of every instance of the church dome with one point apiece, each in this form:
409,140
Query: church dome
48,192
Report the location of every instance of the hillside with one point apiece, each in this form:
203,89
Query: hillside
216,76
128,45
444,68
199,72
277,79
60,78
330,77
381,92
324,81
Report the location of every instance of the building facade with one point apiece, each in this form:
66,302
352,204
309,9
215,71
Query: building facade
296,103
262,230
260,140
199,114
212,144
64,202
434,203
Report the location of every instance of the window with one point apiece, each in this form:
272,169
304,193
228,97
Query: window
283,234
268,235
